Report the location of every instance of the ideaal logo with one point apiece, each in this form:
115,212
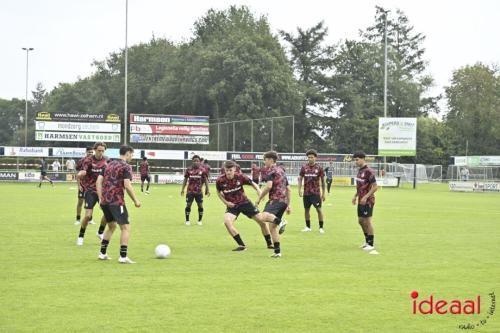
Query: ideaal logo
432,305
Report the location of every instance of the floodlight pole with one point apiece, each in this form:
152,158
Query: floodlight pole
125,111
27,49
385,71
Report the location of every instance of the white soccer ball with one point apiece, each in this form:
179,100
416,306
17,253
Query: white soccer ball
162,251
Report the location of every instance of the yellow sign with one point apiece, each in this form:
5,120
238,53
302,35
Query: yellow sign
113,118
43,116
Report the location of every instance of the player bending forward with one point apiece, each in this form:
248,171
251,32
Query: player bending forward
231,193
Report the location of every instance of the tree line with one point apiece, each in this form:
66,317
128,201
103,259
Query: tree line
235,68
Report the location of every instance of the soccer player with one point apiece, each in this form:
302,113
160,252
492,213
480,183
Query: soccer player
279,198
329,176
196,176
144,170
366,186
116,177
255,173
92,167
231,193
43,172
312,173
81,190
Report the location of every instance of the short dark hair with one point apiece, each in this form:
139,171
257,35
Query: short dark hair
271,154
229,164
97,144
125,149
205,161
89,148
359,154
144,158
196,156
312,152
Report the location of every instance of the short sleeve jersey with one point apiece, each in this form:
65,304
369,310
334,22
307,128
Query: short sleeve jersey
144,168
329,172
311,175
232,189
279,190
196,177
94,168
364,178
113,184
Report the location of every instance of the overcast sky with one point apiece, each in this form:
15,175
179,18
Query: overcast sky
68,35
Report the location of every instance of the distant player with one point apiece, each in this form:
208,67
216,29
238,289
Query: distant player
312,173
92,167
81,189
144,171
366,186
116,177
255,173
231,193
329,176
43,172
195,176
279,198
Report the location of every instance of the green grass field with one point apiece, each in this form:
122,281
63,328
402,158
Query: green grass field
430,240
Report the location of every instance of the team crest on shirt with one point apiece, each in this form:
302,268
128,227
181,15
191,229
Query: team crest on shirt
238,183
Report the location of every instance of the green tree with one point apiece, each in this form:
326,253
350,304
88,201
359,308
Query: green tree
311,59
474,108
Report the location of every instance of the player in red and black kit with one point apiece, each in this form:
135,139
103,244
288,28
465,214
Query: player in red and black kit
81,190
312,173
92,167
195,176
110,185
279,198
144,171
255,173
231,193
366,186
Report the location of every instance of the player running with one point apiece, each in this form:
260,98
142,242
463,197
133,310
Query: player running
110,184
92,167
89,151
43,173
366,186
231,193
195,176
144,171
312,173
279,198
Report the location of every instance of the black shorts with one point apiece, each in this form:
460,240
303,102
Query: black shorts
144,178
329,181
312,199
44,173
113,213
365,210
194,196
277,208
91,199
80,194
246,208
